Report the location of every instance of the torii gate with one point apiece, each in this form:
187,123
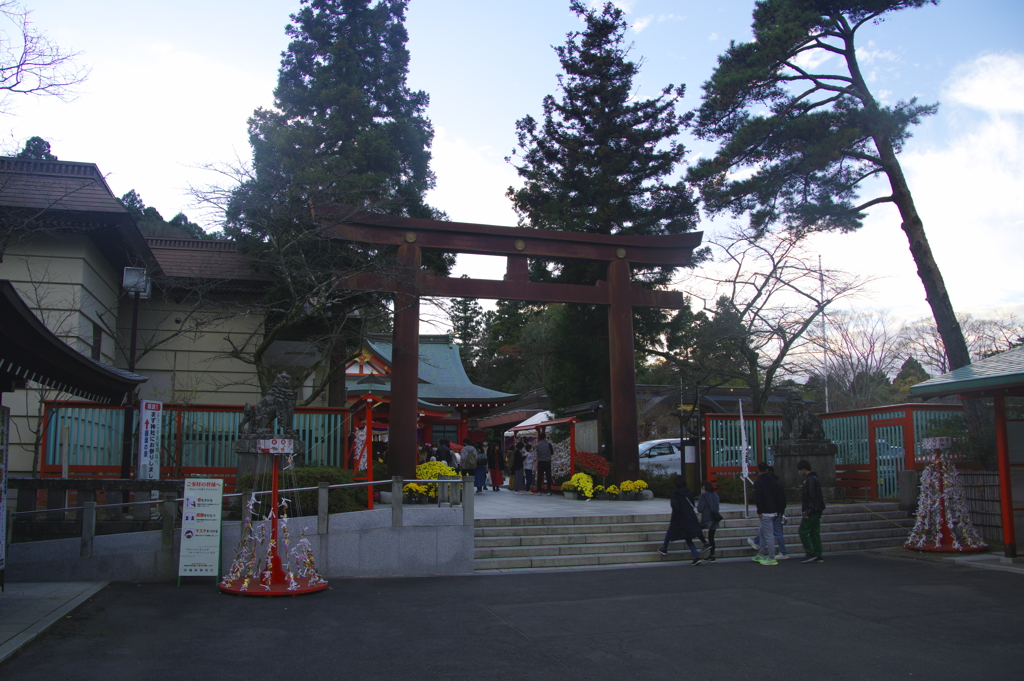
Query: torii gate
409,282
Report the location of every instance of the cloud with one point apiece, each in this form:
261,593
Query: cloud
713,36
869,55
471,181
642,23
993,83
812,59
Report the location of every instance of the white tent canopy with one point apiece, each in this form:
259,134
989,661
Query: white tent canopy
539,417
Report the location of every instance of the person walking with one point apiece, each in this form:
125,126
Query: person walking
510,455
683,524
517,468
496,462
777,524
812,506
766,498
530,467
474,462
544,453
708,508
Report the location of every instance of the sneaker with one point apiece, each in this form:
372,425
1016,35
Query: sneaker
663,552
810,559
758,558
770,561
753,544
696,561
549,494
710,559
820,560
782,556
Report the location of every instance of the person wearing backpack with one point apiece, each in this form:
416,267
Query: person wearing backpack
469,463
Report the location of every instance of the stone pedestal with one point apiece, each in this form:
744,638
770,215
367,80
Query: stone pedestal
250,459
821,454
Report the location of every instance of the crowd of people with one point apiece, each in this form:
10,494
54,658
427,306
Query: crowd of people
517,467
524,464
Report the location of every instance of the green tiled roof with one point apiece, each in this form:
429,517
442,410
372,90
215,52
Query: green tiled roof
441,374
1004,370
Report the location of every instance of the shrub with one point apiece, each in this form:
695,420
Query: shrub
661,484
730,489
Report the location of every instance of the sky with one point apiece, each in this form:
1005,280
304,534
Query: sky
172,84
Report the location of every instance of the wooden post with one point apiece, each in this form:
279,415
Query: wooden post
1005,481
405,357
625,444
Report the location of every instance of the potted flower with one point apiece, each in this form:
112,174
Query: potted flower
612,492
584,486
638,487
569,489
627,491
414,493
599,493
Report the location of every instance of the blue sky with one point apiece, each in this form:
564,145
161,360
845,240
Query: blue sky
173,83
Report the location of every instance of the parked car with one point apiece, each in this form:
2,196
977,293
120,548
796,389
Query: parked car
661,454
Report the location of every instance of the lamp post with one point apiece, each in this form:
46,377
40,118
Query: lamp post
135,281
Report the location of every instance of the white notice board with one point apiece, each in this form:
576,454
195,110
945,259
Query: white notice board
200,527
150,416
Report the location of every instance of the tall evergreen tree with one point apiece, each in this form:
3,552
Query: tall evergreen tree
345,131
600,162
345,126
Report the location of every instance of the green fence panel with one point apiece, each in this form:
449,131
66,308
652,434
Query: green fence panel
850,434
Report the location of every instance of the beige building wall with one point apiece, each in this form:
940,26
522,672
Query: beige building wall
72,289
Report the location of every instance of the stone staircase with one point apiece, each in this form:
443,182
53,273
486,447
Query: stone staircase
591,541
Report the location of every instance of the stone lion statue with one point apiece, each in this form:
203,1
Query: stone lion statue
278,403
797,422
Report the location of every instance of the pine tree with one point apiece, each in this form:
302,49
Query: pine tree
600,162
346,127
345,131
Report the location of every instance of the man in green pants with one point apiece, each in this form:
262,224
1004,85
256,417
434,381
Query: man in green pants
813,507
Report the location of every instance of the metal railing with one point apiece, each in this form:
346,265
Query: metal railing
451,491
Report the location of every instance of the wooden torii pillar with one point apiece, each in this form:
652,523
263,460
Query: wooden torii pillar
409,282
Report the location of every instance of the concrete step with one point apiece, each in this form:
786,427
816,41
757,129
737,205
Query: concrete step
582,541
650,543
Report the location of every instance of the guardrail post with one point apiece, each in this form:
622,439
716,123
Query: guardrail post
170,511
396,500
323,517
83,496
9,535
468,501
88,528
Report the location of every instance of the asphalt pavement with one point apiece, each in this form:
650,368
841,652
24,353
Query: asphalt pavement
856,616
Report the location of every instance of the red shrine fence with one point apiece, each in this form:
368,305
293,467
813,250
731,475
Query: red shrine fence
874,444
83,439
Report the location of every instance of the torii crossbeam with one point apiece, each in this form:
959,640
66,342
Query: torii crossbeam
517,244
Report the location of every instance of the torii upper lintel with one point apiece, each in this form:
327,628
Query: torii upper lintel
517,244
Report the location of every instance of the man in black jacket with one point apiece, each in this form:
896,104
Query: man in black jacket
813,506
767,492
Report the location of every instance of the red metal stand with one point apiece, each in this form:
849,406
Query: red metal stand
279,585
